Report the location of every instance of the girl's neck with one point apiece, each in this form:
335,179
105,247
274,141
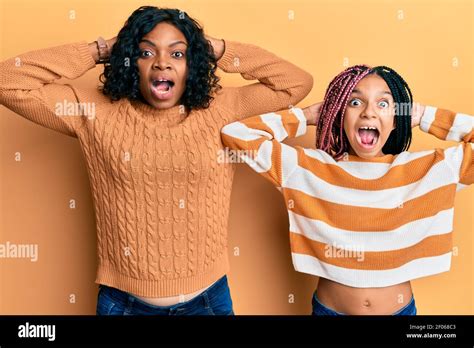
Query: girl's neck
381,157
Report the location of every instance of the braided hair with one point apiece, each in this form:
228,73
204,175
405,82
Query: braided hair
400,138
330,128
331,137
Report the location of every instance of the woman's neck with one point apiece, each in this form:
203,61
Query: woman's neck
166,117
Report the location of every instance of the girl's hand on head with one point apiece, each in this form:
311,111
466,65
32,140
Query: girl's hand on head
218,46
417,111
312,113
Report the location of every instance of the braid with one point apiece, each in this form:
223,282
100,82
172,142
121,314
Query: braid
331,137
330,128
400,138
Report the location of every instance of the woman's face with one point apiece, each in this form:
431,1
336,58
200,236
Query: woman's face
369,117
162,66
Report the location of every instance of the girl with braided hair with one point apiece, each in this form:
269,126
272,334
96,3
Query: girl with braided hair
332,137
365,215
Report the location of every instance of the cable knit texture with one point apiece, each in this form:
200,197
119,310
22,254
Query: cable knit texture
161,195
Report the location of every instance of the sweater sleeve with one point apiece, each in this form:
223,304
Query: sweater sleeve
449,125
257,141
280,85
29,86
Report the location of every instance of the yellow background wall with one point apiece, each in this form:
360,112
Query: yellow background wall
429,42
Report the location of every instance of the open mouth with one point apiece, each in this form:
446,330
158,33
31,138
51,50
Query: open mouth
162,88
368,136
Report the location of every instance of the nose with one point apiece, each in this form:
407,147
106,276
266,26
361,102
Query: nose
369,111
161,63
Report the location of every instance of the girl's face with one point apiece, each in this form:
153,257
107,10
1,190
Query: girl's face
369,117
162,66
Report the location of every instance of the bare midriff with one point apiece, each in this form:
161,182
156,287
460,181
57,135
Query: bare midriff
363,301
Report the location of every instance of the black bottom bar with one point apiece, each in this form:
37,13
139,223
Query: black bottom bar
290,330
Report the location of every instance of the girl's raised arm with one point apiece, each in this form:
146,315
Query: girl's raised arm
258,142
454,126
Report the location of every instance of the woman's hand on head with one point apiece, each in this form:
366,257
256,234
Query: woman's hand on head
218,46
111,42
312,113
95,51
417,111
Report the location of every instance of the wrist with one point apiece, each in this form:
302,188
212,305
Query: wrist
417,113
103,50
218,46
308,116
221,49
93,51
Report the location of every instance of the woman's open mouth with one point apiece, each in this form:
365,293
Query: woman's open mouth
367,136
162,88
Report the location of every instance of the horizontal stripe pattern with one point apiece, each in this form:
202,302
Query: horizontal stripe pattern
363,218
369,278
354,257
372,176
398,238
364,222
312,184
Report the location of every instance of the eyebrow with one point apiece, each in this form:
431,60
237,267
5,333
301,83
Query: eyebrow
359,92
170,45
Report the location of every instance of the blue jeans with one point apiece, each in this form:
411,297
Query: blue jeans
215,300
320,309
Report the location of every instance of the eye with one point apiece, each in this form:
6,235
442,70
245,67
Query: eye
384,104
145,54
177,54
355,102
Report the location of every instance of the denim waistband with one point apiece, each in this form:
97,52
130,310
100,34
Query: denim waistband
410,303
315,297
125,299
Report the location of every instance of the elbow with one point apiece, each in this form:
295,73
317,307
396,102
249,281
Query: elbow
308,83
228,137
225,129
302,89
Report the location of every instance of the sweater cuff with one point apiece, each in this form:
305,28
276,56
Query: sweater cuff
227,59
302,126
427,118
85,54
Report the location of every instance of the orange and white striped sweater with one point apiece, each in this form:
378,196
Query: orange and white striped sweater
363,222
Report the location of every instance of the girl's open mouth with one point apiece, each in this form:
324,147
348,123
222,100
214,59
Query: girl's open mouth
162,89
367,136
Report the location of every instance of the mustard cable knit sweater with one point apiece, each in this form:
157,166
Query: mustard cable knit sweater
161,195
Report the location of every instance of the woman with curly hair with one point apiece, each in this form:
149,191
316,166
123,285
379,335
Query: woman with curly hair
151,141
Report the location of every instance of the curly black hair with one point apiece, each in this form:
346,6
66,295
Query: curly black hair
121,77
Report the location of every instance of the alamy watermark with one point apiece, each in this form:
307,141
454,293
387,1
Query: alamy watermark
68,108
344,251
235,156
22,251
28,330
